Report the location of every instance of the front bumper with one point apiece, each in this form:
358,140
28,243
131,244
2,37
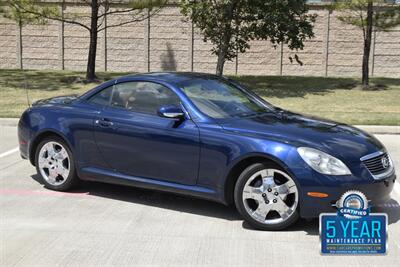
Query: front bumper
377,192
23,137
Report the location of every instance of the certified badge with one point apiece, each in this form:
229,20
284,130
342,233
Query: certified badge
353,205
353,229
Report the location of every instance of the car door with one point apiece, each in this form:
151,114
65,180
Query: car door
134,140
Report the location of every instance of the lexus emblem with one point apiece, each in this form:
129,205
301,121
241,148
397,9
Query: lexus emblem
385,163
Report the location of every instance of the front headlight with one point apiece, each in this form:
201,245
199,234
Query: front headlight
322,162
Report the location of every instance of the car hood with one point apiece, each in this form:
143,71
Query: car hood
63,100
340,140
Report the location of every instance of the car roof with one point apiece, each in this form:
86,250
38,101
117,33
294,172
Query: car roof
172,78
168,77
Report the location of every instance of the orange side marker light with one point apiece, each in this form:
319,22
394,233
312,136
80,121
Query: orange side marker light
317,194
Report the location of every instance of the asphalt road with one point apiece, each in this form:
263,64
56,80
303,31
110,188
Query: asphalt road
102,225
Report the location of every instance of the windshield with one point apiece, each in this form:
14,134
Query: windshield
218,98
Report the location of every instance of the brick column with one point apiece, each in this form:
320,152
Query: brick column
326,42
372,56
105,43
280,59
19,46
191,45
61,45
147,41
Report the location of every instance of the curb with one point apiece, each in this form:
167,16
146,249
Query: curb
378,129
373,129
8,122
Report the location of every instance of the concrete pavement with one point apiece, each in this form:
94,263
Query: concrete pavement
102,225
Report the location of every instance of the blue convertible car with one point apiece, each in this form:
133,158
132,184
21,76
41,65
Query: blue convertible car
208,137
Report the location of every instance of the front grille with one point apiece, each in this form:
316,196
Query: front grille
376,164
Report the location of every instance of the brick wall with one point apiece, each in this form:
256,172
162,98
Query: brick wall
167,41
8,41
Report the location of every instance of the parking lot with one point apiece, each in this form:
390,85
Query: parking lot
102,225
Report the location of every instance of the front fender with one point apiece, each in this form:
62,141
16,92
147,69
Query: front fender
276,158
38,136
222,151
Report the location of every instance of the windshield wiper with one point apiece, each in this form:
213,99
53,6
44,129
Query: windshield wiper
251,114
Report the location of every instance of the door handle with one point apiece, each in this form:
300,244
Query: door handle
104,123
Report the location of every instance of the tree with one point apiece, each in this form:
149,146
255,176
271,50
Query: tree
230,24
368,15
33,11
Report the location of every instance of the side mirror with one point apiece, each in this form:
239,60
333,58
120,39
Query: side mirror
172,112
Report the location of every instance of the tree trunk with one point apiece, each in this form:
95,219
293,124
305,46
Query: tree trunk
20,47
223,50
91,64
226,38
221,62
367,46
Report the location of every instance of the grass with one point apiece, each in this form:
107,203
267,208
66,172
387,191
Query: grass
331,98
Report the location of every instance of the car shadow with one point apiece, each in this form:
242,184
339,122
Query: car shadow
155,198
309,226
391,208
201,207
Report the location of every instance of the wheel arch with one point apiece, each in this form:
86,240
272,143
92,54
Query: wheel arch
39,137
240,165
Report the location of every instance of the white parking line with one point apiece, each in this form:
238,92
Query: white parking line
9,152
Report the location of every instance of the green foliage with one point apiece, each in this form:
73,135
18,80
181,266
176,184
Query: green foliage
354,12
16,10
36,11
220,20
231,24
284,21
149,4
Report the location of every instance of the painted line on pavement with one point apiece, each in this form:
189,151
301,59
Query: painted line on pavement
27,192
9,152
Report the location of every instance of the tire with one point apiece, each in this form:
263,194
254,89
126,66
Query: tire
267,197
55,164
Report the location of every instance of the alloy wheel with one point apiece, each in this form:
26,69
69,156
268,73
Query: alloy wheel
54,163
270,196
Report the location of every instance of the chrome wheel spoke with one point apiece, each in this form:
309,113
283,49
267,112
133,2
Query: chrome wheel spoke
250,192
43,163
52,174
63,172
268,182
262,211
291,186
268,178
282,208
282,189
61,155
267,173
286,188
50,150
292,189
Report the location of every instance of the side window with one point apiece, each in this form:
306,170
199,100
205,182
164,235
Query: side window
103,97
144,97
